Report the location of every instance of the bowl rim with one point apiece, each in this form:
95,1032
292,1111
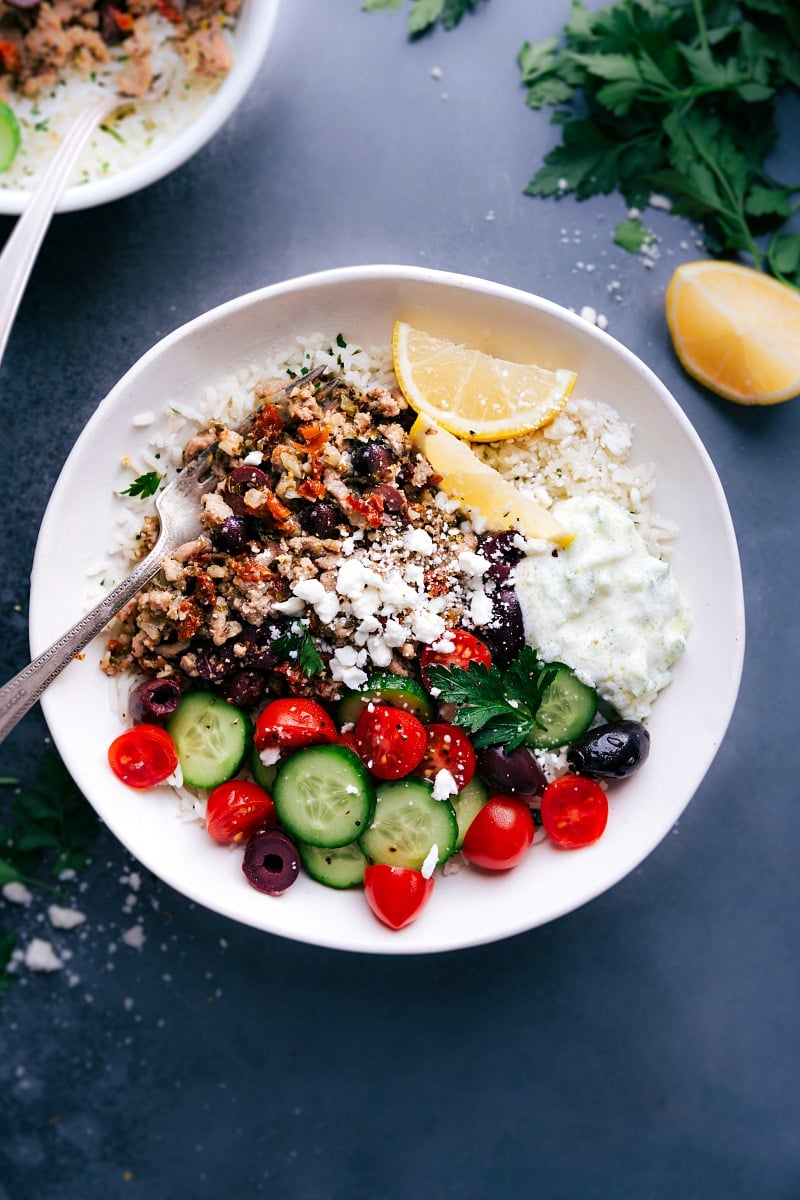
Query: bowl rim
253,34
223,313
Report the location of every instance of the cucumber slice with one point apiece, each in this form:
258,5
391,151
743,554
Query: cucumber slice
567,710
264,775
385,688
9,136
324,795
337,867
407,823
467,804
211,737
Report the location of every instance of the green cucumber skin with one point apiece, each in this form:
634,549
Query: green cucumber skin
340,828
467,804
10,136
564,728
338,867
263,775
396,690
378,844
195,709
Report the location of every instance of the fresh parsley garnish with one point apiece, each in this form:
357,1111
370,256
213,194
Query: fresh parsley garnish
634,236
143,485
498,706
424,14
297,646
47,819
678,98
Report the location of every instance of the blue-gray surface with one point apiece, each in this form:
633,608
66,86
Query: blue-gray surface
643,1047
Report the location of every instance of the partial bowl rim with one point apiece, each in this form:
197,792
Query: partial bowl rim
366,935
255,27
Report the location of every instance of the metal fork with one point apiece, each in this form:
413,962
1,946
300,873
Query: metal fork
178,508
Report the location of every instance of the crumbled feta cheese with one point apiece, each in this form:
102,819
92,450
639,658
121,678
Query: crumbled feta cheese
253,459
473,565
430,863
17,893
64,918
290,607
40,956
269,755
418,541
444,785
480,609
426,626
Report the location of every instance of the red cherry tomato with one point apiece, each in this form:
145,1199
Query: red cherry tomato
348,738
237,809
143,756
396,894
574,811
466,649
389,741
293,723
500,835
448,749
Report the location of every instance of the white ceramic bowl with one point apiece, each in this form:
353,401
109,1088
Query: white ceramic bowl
689,719
254,28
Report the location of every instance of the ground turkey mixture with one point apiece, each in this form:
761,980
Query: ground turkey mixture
328,552
38,41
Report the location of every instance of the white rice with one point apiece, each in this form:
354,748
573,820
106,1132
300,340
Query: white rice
137,128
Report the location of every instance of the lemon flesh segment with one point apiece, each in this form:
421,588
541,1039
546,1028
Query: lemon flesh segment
736,330
476,485
475,395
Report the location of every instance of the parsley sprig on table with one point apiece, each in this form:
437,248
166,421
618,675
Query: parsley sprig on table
424,14
676,97
498,706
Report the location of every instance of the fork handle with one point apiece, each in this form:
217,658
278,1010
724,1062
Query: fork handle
19,252
21,693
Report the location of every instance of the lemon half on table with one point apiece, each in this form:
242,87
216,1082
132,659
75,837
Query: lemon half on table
474,395
736,330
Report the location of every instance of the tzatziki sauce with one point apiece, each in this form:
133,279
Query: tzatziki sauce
605,605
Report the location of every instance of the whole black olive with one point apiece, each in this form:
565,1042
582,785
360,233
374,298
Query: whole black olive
508,772
154,701
271,862
245,688
213,663
501,551
612,751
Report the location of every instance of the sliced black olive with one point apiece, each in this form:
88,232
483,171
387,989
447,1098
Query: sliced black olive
612,751
154,701
271,862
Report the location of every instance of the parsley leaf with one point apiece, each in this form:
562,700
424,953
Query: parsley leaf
143,485
633,236
674,97
497,706
424,14
298,646
51,818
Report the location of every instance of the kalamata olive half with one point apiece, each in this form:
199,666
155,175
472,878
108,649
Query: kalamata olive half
271,863
611,751
515,771
371,460
504,633
501,551
231,537
238,483
245,688
323,519
154,701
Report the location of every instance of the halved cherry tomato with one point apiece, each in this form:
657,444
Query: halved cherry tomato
396,894
574,811
389,741
143,756
448,749
293,723
500,835
237,809
466,649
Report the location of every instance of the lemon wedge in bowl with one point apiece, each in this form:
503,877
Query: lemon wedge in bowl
736,330
476,485
475,395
